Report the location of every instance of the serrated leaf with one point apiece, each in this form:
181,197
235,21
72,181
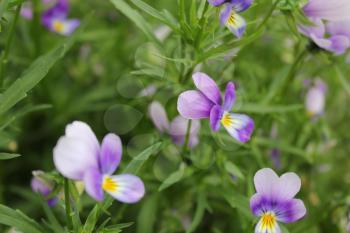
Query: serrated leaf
6,156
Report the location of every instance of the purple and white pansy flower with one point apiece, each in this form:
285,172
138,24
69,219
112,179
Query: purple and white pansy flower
55,17
274,200
206,102
79,156
229,15
331,29
177,128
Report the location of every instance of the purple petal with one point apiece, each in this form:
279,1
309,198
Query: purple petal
339,44
290,211
234,22
111,153
159,116
216,114
93,184
58,11
40,186
178,130
82,131
287,187
26,11
339,28
77,151
318,30
348,227
241,5
328,10
125,188
239,126
265,180
194,105
207,86
230,96
217,2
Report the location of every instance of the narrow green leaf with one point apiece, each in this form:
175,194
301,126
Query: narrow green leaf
15,116
343,81
264,109
238,201
233,170
147,215
199,214
5,156
173,178
135,165
156,14
33,75
134,16
18,220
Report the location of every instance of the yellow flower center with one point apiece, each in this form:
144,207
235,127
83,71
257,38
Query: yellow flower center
268,221
109,185
226,119
58,26
232,19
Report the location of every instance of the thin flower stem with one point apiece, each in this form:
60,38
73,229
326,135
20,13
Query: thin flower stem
186,142
4,56
202,25
267,17
293,71
36,27
67,203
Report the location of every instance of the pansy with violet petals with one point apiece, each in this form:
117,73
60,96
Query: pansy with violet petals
274,201
55,17
206,102
177,128
79,156
331,29
229,15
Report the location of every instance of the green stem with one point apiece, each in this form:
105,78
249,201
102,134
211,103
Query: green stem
4,56
267,17
36,27
202,25
67,202
293,71
186,142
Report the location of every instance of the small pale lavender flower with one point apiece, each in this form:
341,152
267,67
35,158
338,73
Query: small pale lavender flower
177,128
274,201
348,227
229,15
79,156
315,99
206,102
42,187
